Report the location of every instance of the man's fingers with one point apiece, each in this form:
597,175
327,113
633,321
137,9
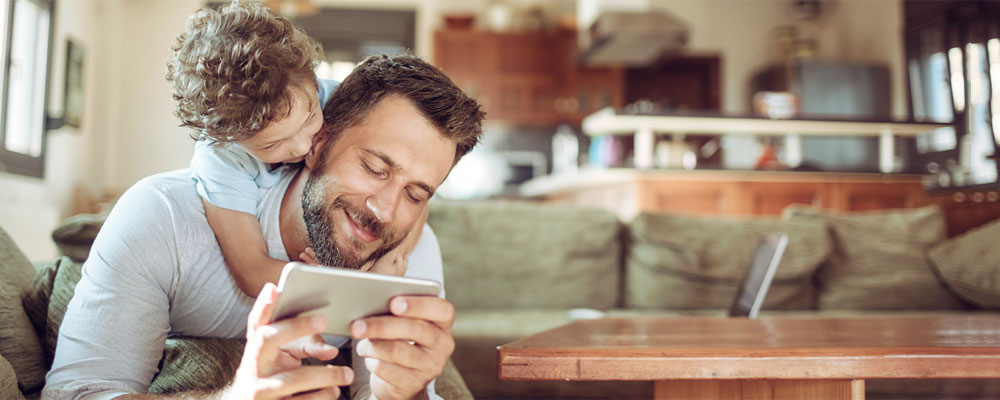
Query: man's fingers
325,394
312,346
397,352
305,379
422,332
433,309
263,309
270,338
402,382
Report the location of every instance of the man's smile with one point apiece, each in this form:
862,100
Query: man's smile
361,232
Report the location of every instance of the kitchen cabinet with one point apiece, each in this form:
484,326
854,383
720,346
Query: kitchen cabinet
627,192
527,77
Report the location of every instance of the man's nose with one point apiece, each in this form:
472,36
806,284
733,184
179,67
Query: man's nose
384,204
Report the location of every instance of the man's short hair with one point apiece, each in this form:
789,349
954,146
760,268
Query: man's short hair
232,68
455,115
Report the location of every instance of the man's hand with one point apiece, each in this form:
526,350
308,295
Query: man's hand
406,350
272,361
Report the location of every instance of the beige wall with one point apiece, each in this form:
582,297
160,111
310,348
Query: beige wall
30,207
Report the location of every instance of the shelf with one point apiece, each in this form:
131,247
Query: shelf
593,177
608,122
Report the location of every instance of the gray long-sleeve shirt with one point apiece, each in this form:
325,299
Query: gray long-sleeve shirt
156,270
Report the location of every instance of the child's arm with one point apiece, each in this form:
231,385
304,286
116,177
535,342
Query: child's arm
394,262
242,242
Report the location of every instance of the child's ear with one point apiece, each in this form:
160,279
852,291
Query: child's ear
319,142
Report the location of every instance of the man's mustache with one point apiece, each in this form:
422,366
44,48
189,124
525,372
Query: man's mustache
362,216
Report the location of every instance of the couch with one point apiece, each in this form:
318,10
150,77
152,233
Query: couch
33,302
514,268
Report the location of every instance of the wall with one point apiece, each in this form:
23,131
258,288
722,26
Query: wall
30,207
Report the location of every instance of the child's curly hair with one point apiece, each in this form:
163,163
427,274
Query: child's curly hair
232,68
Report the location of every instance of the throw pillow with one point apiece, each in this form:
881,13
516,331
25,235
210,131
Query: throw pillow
879,261
75,234
8,382
63,287
197,364
18,341
553,256
36,303
15,269
679,262
969,265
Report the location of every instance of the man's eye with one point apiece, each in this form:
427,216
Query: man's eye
413,197
373,172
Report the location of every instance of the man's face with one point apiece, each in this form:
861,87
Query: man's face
366,193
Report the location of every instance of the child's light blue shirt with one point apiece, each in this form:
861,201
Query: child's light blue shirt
229,177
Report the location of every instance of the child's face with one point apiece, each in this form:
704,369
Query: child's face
289,139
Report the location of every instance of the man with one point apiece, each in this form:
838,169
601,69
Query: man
395,127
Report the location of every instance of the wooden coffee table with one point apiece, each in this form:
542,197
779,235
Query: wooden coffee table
770,357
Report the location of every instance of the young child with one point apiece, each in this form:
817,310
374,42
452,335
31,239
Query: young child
244,80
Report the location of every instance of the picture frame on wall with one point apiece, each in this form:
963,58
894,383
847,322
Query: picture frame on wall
73,96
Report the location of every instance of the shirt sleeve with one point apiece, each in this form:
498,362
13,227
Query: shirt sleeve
425,260
226,176
325,88
115,327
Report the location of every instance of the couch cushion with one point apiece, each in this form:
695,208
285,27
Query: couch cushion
879,261
684,262
19,342
8,381
197,364
36,303
75,234
969,265
545,255
63,286
15,269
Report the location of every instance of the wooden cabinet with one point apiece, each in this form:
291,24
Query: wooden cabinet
760,193
627,192
528,77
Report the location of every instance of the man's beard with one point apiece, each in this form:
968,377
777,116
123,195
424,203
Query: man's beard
318,211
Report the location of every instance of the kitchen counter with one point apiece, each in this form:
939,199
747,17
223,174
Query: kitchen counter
626,192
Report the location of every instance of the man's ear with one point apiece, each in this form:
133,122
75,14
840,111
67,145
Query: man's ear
319,142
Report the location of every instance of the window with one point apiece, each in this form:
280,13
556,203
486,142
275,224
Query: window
26,36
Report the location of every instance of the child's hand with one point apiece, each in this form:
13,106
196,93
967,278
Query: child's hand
392,263
309,256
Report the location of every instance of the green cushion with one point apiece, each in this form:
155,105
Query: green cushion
969,265
880,262
63,287
15,269
75,234
197,364
36,303
679,262
515,254
8,381
450,385
18,341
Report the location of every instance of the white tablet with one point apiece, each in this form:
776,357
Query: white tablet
342,295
